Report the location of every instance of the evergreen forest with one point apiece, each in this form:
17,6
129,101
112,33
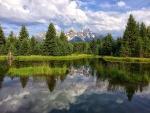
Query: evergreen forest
135,42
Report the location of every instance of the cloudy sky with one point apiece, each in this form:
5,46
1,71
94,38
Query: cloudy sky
100,16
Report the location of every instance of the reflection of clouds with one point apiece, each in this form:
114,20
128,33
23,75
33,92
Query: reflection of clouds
145,93
119,101
37,98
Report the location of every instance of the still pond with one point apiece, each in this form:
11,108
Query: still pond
88,86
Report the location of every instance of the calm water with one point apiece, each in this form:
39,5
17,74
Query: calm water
80,90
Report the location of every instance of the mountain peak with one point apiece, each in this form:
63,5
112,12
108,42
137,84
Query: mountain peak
81,35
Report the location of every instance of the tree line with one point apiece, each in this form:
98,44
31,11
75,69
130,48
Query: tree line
134,43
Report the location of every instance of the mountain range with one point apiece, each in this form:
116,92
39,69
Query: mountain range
83,35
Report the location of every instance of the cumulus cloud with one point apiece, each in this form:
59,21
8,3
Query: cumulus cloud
67,13
108,5
121,4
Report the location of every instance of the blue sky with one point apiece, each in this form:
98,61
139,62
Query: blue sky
100,16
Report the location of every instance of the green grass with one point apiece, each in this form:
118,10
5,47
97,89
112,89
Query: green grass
3,58
126,59
48,58
78,56
40,70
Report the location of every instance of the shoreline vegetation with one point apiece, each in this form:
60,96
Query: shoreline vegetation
78,56
39,70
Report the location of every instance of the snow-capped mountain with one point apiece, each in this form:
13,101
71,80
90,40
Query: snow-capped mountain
40,36
82,35
73,35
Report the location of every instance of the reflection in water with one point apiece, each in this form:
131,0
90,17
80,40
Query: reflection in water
24,81
82,89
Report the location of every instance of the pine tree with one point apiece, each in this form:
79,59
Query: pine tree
11,37
139,47
2,37
93,45
122,50
63,37
25,47
148,32
37,49
48,46
143,30
23,33
17,45
33,43
130,35
107,44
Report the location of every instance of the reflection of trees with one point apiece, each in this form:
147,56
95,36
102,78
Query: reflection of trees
24,81
103,70
129,89
51,82
1,80
63,77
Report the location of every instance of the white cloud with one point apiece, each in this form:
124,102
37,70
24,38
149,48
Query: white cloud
66,13
121,4
107,5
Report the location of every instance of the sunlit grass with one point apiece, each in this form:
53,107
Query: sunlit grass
47,58
3,58
126,59
40,70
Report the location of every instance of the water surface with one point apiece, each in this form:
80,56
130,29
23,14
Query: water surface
80,90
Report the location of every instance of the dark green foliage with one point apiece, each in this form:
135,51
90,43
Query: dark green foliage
2,37
122,50
25,47
17,45
37,50
23,33
130,35
11,37
139,47
148,32
116,46
93,47
143,30
49,41
33,43
107,44
63,37
80,47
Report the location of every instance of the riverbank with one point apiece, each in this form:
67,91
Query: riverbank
48,58
78,56
126,59
40,70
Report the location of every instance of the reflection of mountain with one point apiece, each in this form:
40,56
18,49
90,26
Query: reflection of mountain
80,71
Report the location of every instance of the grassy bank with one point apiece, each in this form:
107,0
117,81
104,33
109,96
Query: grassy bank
40,70
3,58
48,58
126,59
78,56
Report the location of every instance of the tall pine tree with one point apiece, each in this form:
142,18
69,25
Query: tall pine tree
130,35
23,33
2,37
49,42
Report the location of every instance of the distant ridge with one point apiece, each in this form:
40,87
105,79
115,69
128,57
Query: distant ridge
83,35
